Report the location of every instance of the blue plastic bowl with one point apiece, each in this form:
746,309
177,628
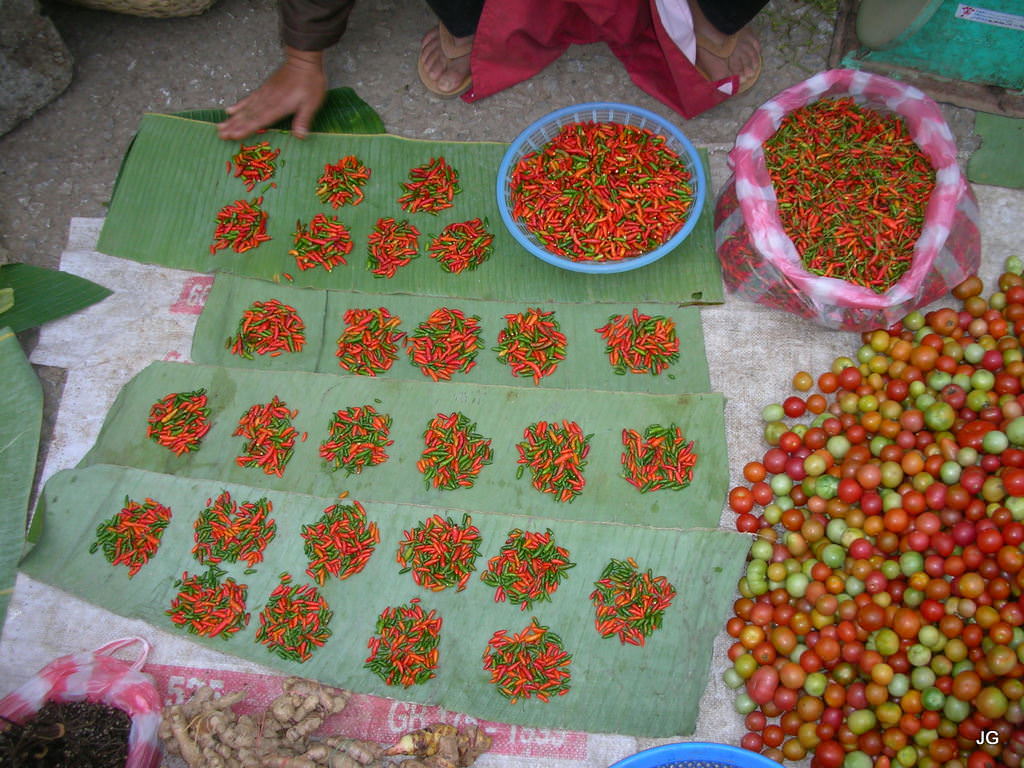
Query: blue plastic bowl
541,132
696,754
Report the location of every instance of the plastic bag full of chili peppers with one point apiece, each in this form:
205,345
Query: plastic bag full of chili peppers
846,204
98,676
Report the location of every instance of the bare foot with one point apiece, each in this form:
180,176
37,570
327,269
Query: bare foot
445,75
719,55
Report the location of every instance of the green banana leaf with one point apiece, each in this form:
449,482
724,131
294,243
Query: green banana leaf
42,295
653,690
585,365
21,419
342,112
174,181
500,414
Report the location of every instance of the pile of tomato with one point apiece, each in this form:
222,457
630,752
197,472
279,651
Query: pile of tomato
880,621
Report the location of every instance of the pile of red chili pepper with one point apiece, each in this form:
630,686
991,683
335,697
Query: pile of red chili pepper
132,536
528,568
659,459
629,604
431,187
325,242
602,192
342,183
404,650
293,623
357,437
529,664
254,163
531,343
241,226
340,543
445,343
880,620
368,345
391,244
209,605
440,552
453,453
227,532
640,343
852,187
268,328
270,436
461,246
179,421
556,456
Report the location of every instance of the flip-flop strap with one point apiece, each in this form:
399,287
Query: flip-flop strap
723,51
449,47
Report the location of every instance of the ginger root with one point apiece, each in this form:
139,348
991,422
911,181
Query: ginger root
205,732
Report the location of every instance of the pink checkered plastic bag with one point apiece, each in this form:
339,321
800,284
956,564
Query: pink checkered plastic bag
97,676
760,262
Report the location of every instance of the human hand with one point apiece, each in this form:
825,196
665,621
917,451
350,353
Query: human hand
296,88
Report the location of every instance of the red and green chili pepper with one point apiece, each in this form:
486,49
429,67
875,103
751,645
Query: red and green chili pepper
294,621
431,187
556,455
454,453
342,183
270,436
852,188
602,192
529,664
629,604
226,531
369,343
640,343
659,459
209,605
461,246
268,328
392,244
241,226
445,343
254,163
404,650
340,543
132,536
357,438
531,344
528,568
179,421
440,553
325,242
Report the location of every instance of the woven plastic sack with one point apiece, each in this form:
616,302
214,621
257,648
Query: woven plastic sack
760,262
98,677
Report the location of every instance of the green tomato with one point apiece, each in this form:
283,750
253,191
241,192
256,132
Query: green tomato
833,556
890,569
937,380
918,655
973,353
922,677
857,759
836,529
772,513
773,431
732,678
1014,264
743,704
854,586
865,353
939,416
911,562
995,441
929,636
923,401
913,597
862,721
899,684
976,399
949,472
772,412
745,665
781,484
967,456
907,757
796,584
932,698
915,320
826,486
1015,431
762,550
887,642
814,465
983,379
815,684
962,380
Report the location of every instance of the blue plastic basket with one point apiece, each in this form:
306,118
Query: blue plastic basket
696,754
539,133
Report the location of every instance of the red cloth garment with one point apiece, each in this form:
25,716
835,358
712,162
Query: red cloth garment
516,39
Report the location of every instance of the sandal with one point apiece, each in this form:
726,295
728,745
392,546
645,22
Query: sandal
452,51
723,52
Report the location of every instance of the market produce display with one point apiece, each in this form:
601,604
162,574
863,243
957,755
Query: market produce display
172,186
880,621
642,348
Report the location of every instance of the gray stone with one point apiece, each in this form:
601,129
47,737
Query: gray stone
35,65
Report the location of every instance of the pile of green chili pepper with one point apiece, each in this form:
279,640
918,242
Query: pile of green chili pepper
529,568
340,543
404,650
630,604
132,536
528,664
293,623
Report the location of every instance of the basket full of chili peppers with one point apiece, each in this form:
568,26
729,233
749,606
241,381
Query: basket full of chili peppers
601,188
847,205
